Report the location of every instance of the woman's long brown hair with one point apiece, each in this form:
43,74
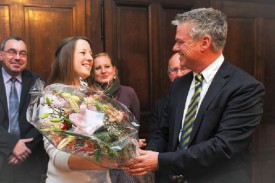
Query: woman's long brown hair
62,68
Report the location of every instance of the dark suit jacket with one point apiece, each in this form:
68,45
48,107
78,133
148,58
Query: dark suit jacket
156,115
219,145
36,163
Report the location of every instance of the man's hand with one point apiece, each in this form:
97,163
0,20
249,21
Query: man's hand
142,143
143,164
15,161
21,151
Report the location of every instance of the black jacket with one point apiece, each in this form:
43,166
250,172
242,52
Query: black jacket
219,144
36,163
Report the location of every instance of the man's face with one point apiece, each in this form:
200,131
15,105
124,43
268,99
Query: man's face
14,57
174,68
186,47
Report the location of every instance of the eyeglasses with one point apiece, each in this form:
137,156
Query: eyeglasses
176,70
13,53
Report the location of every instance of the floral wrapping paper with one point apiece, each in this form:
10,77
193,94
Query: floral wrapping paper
79,121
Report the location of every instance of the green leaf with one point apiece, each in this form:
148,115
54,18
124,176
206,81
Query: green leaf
56,120
45,115
75,98
66,94
48,101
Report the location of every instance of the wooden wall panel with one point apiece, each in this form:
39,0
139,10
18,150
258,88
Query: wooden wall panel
43,34
46,26
240,48
133,50
265,162
94,24
269,60
128,41
4,21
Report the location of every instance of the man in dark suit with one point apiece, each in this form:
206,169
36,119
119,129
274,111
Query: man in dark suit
228,108
22,154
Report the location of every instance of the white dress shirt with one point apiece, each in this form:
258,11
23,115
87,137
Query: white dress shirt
208,76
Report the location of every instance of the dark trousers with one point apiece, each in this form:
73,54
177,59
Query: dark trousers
19,174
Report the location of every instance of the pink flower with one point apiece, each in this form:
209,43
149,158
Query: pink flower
58,103
83,124
77,119
83,108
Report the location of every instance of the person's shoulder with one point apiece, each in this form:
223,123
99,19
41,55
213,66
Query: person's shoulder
188,76
238,73
127,89
32,74
129,92
183,81
238,78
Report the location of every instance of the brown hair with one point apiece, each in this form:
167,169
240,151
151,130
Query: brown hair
62,68
103,54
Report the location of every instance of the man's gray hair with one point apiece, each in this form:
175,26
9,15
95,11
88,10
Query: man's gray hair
205,21
3,44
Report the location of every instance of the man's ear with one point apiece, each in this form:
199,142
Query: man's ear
205,43
1,56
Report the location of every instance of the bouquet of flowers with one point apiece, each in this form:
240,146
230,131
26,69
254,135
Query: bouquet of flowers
80,121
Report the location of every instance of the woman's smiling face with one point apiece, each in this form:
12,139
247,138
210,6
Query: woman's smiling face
83,60
103,70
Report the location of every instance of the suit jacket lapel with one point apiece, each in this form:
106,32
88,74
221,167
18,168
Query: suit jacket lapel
217,84
3,98
180,102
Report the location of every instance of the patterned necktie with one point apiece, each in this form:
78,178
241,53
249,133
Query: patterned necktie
14,109
190,115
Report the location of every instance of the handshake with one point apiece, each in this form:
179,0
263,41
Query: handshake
146,162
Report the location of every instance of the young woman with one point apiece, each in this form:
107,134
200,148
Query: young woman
73,60
105,79
104,76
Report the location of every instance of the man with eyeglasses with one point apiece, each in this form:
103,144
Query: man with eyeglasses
175,70
22,155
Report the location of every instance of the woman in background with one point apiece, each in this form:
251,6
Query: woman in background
73,60
105,79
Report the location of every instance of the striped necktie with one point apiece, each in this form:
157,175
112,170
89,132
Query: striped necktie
13,109
190,115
